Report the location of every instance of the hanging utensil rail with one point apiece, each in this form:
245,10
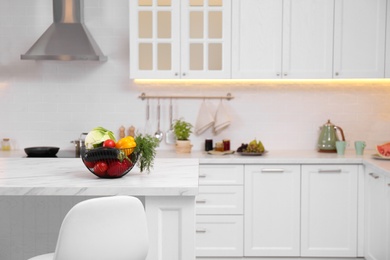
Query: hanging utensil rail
143,96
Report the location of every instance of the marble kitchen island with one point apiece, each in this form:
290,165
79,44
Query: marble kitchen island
37,192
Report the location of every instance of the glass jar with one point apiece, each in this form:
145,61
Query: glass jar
6,144
219,147
226,144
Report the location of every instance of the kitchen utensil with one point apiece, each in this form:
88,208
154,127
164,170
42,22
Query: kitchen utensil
328,137
147,123
159,134
41,151
170,137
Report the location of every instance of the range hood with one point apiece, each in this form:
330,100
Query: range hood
67,38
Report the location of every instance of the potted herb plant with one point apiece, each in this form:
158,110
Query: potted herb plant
182,131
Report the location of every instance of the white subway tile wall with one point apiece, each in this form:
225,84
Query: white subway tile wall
52,102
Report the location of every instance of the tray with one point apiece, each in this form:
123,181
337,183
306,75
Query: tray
213,152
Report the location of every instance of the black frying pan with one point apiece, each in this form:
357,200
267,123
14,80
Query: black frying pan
41,151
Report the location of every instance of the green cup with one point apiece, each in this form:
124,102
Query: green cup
340,147
359,147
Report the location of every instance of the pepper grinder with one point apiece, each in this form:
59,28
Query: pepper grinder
122,132
132,131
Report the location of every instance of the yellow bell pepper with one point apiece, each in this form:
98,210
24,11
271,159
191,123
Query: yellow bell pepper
127,144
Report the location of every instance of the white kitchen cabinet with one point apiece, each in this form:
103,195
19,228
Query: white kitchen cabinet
282,39
272,210
219,211
219,235
175,39
329,211
377,228
359,38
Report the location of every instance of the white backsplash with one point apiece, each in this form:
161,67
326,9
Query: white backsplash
51,102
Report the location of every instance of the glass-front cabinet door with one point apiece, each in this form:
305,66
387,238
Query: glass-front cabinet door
180,39
154,38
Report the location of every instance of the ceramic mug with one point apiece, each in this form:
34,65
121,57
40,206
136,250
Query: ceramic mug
340,147
359,147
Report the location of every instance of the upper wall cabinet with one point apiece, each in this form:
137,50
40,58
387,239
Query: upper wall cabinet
175,39
359,38
282,39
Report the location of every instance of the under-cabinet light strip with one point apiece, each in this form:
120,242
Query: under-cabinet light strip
143,96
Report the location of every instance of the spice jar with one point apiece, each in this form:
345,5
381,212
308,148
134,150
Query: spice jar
226,144
6,144
219,147
208,145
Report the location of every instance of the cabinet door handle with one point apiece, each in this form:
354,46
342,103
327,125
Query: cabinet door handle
184,74
373,175
201,201
202,230
176,74
202,175
270,170
388,184
329,171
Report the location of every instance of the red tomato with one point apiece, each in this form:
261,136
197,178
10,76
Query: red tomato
117,168
89,164
109,143
100,168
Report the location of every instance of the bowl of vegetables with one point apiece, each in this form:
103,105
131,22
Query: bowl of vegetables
109,162
106,157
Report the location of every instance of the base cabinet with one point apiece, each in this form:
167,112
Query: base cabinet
219,235
219,211
377,216
329,211
272,215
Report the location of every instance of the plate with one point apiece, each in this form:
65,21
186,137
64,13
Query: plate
376,156
251,154
213,152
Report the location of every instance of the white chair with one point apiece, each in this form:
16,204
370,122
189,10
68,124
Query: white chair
108,228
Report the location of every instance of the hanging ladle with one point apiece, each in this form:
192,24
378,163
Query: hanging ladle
159,134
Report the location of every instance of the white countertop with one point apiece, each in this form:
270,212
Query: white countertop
173,174
69,176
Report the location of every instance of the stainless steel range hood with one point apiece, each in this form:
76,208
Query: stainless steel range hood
67,38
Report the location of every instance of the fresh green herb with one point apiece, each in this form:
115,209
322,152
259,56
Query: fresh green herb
146,149
182,129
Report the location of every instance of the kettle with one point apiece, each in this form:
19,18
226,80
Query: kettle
328,137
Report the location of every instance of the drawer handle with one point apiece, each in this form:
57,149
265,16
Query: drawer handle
388,184
202,175
330,171
201,201
201,230
272,170
373,175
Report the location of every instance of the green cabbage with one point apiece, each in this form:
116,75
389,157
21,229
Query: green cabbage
97,136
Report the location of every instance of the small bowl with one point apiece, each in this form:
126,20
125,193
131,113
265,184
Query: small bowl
109,163
41,151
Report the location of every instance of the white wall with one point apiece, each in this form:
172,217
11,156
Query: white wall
51,103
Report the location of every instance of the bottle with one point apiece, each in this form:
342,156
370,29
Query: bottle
6,144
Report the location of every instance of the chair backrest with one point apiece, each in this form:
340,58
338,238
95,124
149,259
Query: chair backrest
108,228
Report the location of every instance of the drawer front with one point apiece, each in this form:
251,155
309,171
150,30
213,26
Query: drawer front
220,200
219,236
221,174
